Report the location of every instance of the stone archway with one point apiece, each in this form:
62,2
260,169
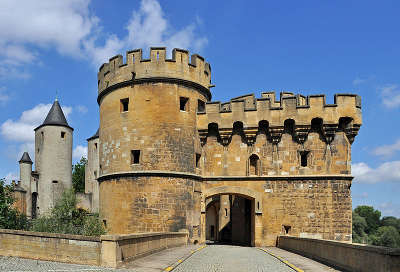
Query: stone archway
238,208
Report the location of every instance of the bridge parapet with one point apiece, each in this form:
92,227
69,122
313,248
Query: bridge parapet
346,256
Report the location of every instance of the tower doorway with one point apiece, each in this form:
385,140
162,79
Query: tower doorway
230,219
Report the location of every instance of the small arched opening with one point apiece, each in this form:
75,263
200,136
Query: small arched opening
213,131
289,126
316,125
345,123
254,162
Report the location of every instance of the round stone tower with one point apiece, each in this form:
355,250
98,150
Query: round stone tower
53,158
149,147
25,172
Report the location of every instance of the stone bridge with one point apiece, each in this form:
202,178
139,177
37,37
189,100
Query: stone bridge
30,251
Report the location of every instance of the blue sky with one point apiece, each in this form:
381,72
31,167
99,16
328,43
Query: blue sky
307,47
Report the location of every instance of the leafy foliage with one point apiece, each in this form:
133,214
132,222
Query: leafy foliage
78,175
387,236
372,217
368,228
391,221
66,218
359,226
10,218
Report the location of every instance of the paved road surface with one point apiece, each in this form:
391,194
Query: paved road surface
218,258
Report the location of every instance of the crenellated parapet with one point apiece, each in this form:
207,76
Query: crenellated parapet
181,69
303,113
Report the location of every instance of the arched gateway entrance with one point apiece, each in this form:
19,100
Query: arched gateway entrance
230,214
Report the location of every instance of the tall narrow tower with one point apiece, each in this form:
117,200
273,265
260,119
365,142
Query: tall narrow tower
53,158
25,172
148,140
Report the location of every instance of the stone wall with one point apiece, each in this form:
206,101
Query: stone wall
51,247
308,206
349,257
124,248
107,250
138,204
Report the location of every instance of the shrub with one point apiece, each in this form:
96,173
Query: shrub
66,218
10,218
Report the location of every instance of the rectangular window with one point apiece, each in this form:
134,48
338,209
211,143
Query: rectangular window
95,174
184,104
198,156
201,106
135,156
95,145
55,181
63,134
124,104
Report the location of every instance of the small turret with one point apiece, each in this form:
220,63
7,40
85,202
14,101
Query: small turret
25,170
25,158
53,157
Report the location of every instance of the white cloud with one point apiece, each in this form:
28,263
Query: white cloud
82,109
79,152
390,95
10,177
69,27
63,24
147,27
22,130
26,27
387,151
386,172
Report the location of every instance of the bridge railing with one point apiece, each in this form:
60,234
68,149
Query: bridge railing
345,256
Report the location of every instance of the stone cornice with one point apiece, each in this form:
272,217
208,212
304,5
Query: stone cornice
186,83
155,173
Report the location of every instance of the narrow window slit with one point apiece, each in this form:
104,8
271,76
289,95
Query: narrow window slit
124,104
183,103
135,156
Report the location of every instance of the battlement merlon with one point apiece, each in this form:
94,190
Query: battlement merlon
197,72
302,109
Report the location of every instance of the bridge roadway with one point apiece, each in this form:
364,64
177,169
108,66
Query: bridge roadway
189,258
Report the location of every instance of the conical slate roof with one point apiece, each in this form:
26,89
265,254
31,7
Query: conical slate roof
25,158
55,117
95,136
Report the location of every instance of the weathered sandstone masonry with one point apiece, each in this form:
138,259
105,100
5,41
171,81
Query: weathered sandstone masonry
167,154
107,250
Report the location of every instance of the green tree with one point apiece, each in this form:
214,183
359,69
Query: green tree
10,218
66,218
391,221
78,175
359,226
372,217
387,236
